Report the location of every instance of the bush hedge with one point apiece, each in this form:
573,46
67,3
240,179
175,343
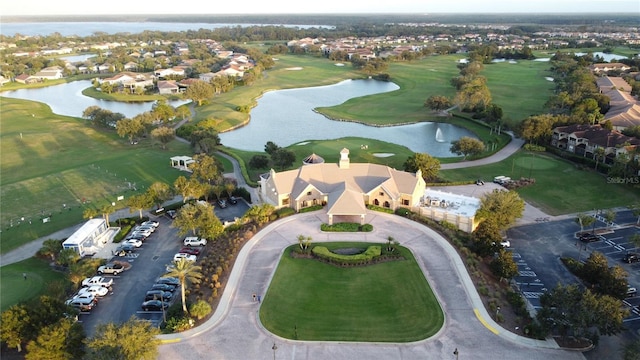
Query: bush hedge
311,208
324,253
380,209
346,227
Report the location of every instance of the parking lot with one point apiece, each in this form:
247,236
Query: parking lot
147,264
540,271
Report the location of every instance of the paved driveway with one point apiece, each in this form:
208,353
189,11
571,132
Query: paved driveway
234,332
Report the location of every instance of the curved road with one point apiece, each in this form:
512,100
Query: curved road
235,332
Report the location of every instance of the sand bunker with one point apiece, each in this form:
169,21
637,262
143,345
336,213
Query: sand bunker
383,155
294,68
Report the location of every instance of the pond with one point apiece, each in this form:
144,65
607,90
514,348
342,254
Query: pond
67,99
78,58
286,117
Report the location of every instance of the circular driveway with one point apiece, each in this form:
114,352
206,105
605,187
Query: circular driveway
234,331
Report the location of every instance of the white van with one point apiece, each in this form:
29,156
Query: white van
194,241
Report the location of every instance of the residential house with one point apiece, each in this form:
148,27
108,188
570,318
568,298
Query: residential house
49,73
131,80
4,80
25,79
585,140
346,188
624,110
174,71
167,87
606,67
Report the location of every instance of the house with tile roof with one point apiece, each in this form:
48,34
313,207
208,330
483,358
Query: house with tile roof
624,108
345,188
585,140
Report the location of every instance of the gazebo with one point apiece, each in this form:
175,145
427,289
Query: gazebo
182,162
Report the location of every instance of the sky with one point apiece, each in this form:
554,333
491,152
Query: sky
112,7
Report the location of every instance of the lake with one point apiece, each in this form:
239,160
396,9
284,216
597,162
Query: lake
67,99
286,117
90,28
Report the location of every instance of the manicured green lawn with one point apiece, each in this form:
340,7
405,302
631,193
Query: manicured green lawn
386,302
14,288
49,161
520,89
561,187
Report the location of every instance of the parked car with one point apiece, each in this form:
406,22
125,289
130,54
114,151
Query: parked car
124,249
150,228
163,287
144,232
111,268
140,237
631,258
158,295
82,306
168,280
97,280
194,241
96,290
190,250
588,237
172,214
151,223
154,305
233,200
135,242
631,291
83,297
188,257
222,203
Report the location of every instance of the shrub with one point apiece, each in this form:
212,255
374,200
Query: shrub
177,324
200,309
243,193
324,253
346,227
380,209
311,208
536,148
284,212
403,211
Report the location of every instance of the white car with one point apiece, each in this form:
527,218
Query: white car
188,257
194,241
155,224
97,280
94,290
84,298
135,242
146,233
145,228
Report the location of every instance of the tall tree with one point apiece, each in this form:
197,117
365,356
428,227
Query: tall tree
428,165
485,237
199,91
164,135
50,248
14,327
133,340
503,265
186,272
501,205
584,220
467,146
283,158
130,128
259,214
159,192
60,341
205,168
139,202
106,210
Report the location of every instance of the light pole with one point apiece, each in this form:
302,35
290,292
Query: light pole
274,348
497,312
455,352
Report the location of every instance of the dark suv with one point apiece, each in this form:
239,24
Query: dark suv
631,258
589,237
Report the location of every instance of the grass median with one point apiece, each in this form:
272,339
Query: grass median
385,302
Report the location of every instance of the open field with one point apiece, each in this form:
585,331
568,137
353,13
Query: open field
561,187
520,89
322,302
54,166
14,288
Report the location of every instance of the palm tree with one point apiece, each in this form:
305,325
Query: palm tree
185,270
107,209
90,213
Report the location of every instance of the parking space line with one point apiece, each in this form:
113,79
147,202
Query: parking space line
532,294
527,273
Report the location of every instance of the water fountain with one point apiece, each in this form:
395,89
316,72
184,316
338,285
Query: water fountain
439,136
